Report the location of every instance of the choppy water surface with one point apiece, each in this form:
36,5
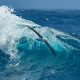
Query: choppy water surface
23,57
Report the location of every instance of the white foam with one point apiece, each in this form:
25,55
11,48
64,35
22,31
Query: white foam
10,31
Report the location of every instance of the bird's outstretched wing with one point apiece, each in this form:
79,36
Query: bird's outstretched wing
44,40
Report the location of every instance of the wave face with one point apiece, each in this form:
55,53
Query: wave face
23,57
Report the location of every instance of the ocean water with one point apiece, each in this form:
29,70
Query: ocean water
24,57
62,20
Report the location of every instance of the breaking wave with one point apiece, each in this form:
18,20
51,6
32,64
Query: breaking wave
22,55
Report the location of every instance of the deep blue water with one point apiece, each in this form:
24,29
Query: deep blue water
64,20
23,57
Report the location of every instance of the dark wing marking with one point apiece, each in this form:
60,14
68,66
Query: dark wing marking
52,50
45,41
35,32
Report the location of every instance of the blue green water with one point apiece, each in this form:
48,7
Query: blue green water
23,57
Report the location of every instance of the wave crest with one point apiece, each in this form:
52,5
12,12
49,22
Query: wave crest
13,29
